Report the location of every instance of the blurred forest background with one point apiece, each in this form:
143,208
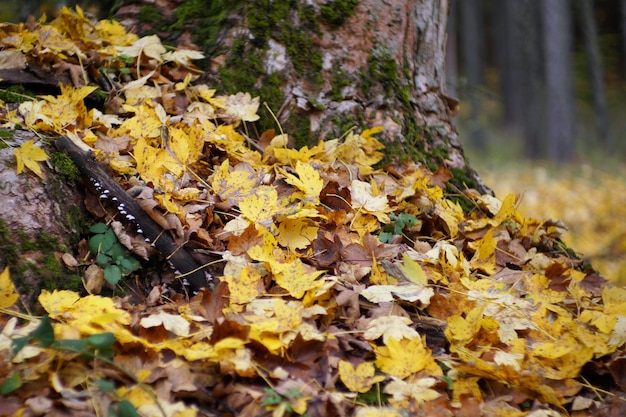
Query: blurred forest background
542,89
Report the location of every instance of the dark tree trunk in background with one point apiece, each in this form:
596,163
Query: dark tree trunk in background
472,37
518,43
622,8
452,51
557,37
324,67
594,63
509,61
528,34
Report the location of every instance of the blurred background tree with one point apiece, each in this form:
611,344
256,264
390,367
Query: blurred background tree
543,79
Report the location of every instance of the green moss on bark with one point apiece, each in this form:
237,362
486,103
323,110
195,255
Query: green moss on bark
336,12
38,270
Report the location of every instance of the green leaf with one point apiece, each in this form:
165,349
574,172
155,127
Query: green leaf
71,345
112,274
103,260
101,340
44,333
407,219
104,385
126,409
19,343
117,251
95,243
11,384
128,265
385,237
98,228
271,398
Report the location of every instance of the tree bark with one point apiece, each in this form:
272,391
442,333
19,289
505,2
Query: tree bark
472,38
324,67
532,108
39,221
557,37
594,64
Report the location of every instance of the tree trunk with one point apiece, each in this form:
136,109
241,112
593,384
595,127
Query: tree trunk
324,67
532,109
39,221
452,51
594,63
558,72
472,36
622,8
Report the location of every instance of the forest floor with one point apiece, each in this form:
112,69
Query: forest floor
344,289
588,198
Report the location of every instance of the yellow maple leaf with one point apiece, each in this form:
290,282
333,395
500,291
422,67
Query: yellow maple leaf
288,156
402,392
246,286
68,111
89,314
261,207
371,411
275,323
8,295
485,256
404,357
233,186
359,379
364,198
466,386
356,149
149,46
308,181
113,32
461,330
28,155
296,233
378,276
153,163
242,106
396,327
34,114
294,277
145,124
171,322
186,144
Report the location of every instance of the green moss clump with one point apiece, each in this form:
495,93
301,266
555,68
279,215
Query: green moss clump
300,130
64,165
336,12
210,18
8,246
149,14
46,268
339,81
16,94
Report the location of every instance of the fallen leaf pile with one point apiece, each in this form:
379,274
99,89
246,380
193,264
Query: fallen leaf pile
587,198
340,289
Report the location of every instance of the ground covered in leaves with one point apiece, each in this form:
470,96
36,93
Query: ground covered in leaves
339,287
588,198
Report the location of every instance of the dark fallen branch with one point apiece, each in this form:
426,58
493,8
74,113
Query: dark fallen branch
126,205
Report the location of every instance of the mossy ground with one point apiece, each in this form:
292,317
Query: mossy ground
33,264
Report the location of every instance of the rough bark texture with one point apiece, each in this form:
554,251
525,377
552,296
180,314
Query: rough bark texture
557,36
39,220
324,67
